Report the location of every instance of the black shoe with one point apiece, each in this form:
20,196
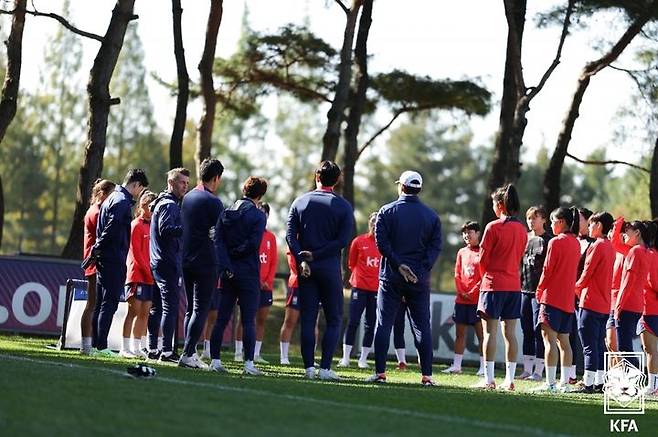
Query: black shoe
173,357
154,355
598,388
585,389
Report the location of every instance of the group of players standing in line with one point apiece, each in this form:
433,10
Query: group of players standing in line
596,279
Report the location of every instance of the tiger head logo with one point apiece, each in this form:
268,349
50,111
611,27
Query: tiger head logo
624,382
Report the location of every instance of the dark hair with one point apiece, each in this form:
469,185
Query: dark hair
210,168
410,190
536,210
254,187
103,186
603,217
136,175
585,212
637,225
328,172
508,196
265,207
471,226
651,234
570,217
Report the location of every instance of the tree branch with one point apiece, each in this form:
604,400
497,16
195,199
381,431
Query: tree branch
63,21
591,162
342,6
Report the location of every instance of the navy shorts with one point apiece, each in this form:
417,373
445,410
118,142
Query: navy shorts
649,324
265,299
292,300
502,305
465,314
214,299
141,292
611,323
558,320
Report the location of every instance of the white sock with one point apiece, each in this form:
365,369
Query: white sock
572,373
528,361
481,362
457,361
551,371
160,343
347,350
489,372
565,374
249,364
126,344
588,377
510,371
137,344
401,354
216,362
600,378
145,342
86,343
257,347
283,348
206,346
539,366
364,354
238,347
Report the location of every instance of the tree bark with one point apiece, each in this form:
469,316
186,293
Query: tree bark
9,98
176,142
653,182
505,166
98,89
205,128
552,186
335,116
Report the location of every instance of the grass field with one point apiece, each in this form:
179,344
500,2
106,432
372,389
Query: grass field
49,392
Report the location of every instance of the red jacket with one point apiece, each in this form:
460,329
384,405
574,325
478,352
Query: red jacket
269,257
139,269
467,275
651,289
91,219
633,280
558,278
363,260
595,283
292,264
501,250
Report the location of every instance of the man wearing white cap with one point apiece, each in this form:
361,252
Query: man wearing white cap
408,235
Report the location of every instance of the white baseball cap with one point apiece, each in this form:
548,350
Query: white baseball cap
411,179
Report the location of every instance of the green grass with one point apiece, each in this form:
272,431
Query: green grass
49,392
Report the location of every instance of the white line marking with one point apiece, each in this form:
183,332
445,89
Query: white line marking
350,406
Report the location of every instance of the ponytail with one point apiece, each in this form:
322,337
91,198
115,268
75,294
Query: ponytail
639,226
567,214
651,234
574,228
508,196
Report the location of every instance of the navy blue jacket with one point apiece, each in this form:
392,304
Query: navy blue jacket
200,211
320,222
166,249
113,227
407,232
239,232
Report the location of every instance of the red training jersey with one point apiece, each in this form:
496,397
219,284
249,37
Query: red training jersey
558,277
501,250
595,283
467,275
139,268
633,280
91,220
651,289
268,259
363,260
292,264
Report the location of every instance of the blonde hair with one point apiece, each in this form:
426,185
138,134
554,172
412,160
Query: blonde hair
102,187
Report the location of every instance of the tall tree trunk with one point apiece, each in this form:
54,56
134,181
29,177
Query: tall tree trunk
207,121
57,185
505,165
653,182
176,142
9,98
98,89
554,171
335,116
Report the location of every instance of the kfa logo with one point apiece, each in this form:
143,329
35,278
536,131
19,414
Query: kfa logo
372,261
625,383
623,425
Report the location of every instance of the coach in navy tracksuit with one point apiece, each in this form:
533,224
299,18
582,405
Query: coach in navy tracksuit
319,226
239,232
408,235
111,249
200,211
166,253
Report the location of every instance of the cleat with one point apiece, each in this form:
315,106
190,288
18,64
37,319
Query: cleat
377,378
585,389
545,388
328,375
566,388
238,357
309,373
524,375
284,362
573,381
154,355
171,357
453,370
534,377
192,362
251,369
427,381
142,354
480,372
598,388
105,353
343,363
401,367
507,386
484,385
86,351
216,366
260,360
127,354
363,365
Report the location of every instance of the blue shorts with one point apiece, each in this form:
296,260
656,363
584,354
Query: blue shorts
502,305
141,292
465,314
556,319
214,299
611,323
649,324
292,300
265,299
